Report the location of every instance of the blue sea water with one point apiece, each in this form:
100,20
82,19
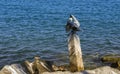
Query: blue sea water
31,28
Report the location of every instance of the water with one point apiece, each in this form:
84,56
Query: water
31,28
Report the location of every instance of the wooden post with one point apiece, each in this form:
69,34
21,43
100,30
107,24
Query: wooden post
75,54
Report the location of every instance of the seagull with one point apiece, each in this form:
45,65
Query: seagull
72,24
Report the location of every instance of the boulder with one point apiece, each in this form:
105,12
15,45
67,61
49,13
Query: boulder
39,66
110,58
19,69
103,70
100,70
13,69
114,60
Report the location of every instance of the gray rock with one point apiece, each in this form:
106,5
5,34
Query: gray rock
13,69
101,70
104,70
18,69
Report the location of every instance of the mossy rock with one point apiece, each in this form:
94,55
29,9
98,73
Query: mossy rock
118,65
111,59
114,60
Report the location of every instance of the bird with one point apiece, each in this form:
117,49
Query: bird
72,24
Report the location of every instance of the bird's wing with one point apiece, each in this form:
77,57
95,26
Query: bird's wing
67,28
75,21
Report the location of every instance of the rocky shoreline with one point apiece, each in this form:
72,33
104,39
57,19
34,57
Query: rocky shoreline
39,66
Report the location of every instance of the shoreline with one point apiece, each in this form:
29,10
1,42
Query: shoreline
50,68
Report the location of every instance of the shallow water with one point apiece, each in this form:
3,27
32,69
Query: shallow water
37,28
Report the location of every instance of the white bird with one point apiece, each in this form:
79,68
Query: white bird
72,24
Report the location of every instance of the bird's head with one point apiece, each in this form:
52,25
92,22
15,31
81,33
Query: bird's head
72,24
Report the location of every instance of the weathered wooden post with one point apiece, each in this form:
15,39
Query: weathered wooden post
75,53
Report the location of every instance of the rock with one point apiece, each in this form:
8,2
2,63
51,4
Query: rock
39,66
61,68
114,60
75,54
101,70
109,58
29,67
119,65
18,69
13,69
62,72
